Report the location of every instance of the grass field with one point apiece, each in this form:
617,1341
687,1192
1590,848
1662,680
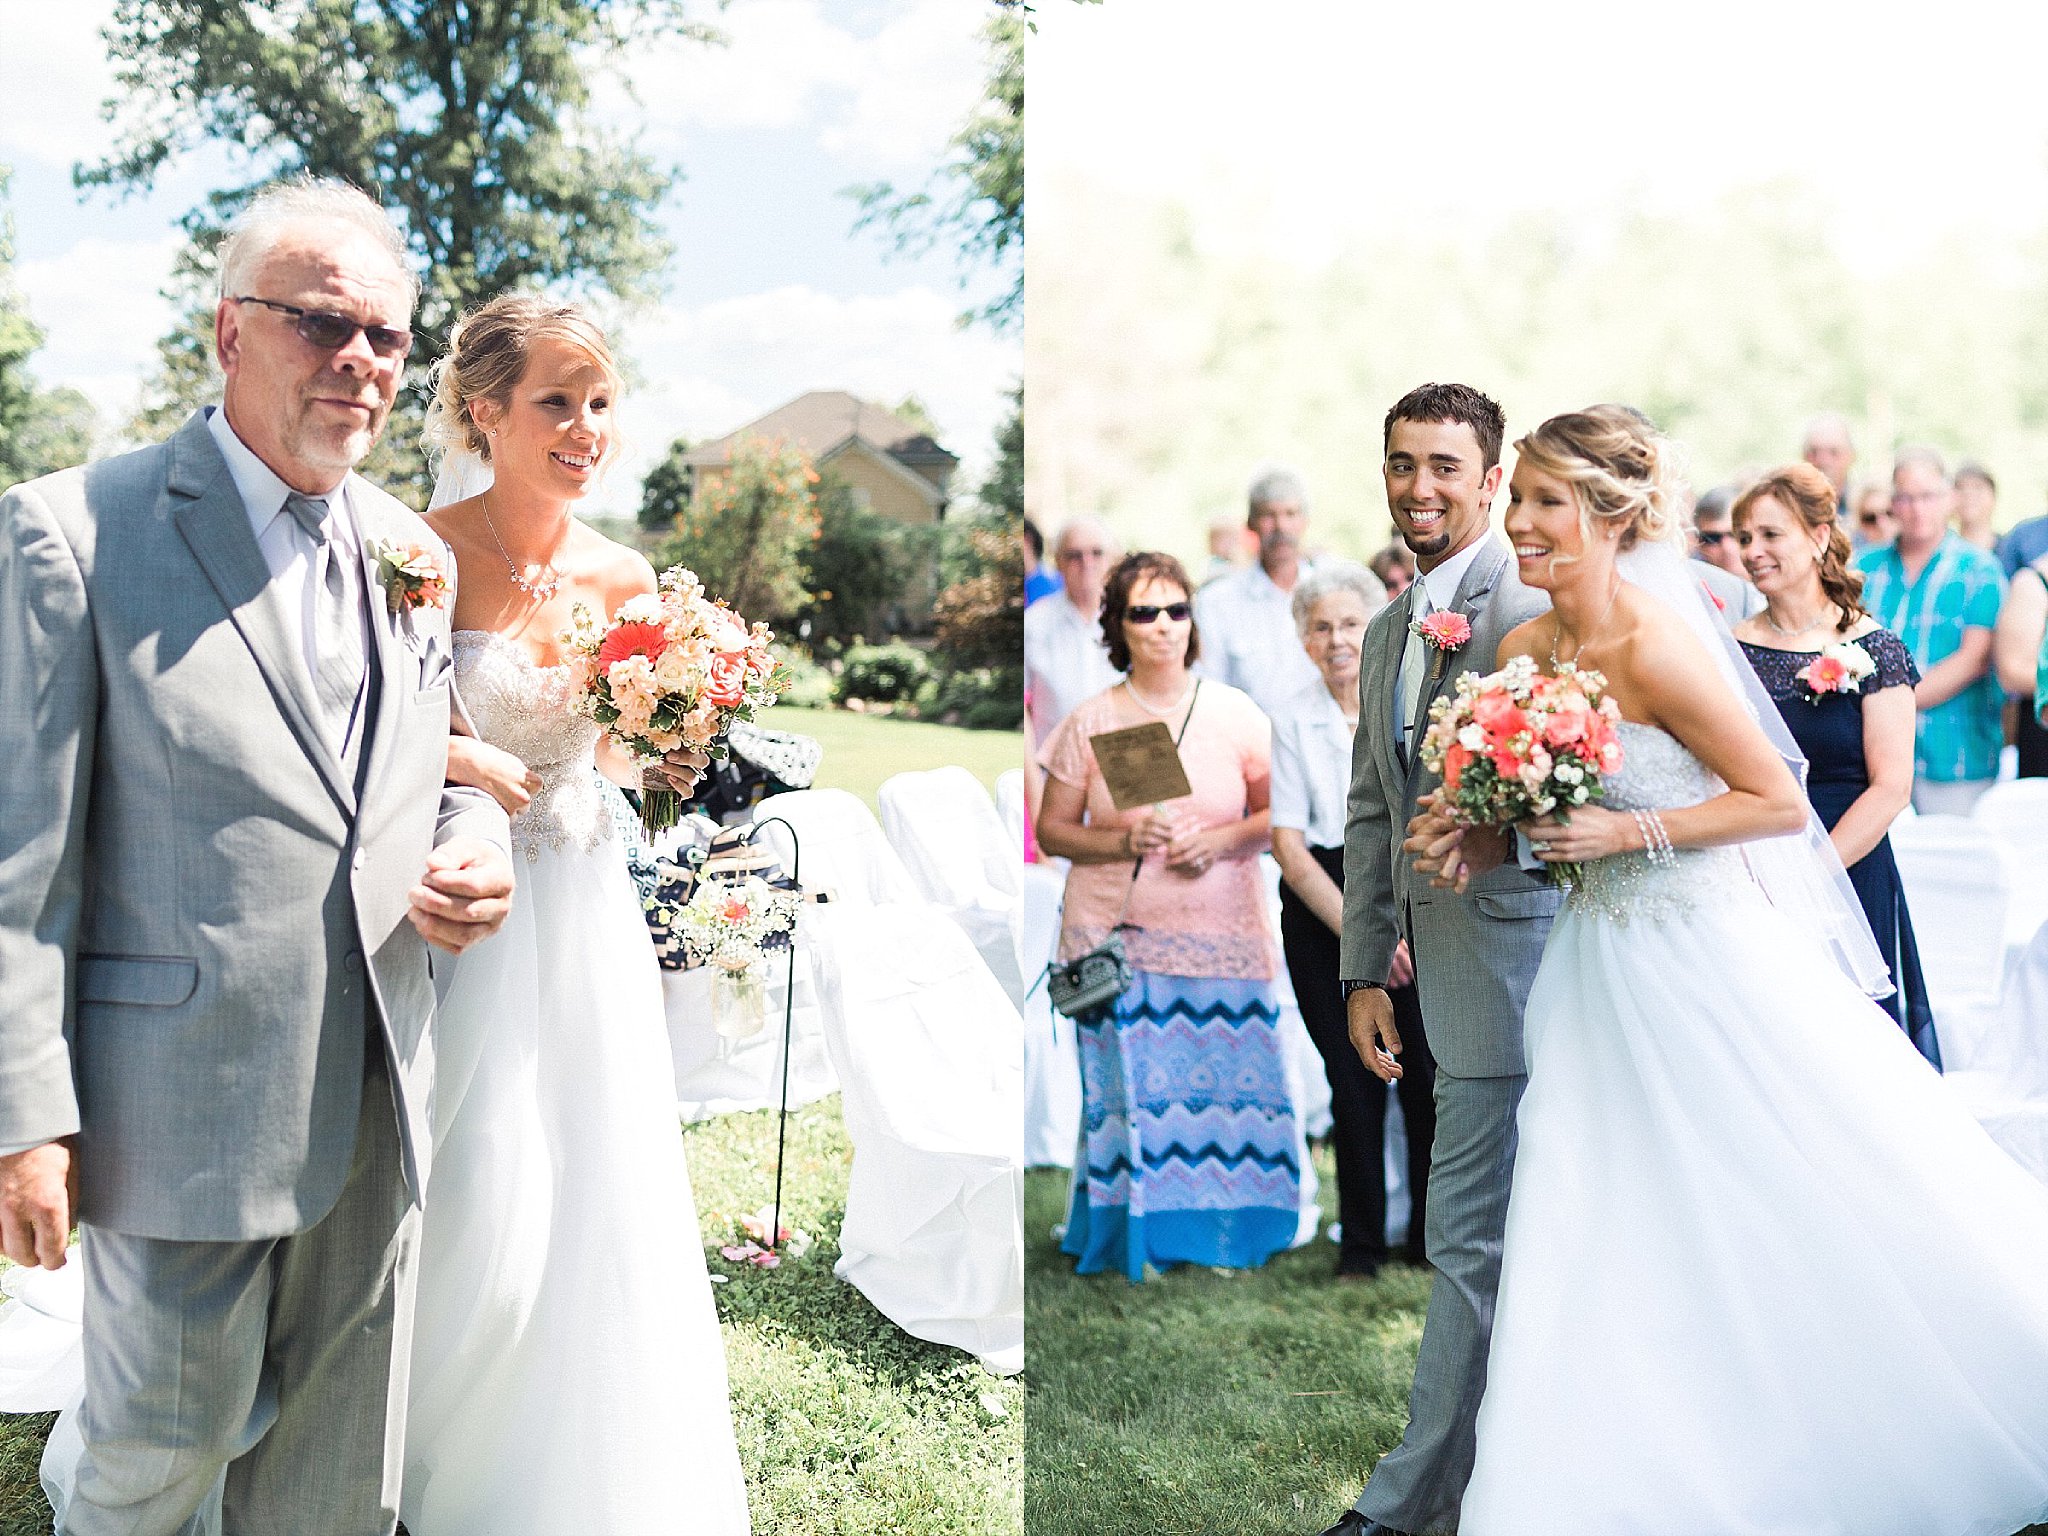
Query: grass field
847,1426
863,750
1208,1403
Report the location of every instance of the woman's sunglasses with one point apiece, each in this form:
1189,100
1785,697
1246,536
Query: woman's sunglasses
1145,613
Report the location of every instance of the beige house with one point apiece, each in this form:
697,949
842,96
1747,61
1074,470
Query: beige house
891,465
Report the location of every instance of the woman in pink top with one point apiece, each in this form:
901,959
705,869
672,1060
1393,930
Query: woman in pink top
1189,1130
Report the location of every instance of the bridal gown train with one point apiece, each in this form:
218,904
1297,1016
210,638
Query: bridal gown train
1763,1275
567,1369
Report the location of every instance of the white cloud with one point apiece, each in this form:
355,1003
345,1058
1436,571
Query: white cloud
53,76
706,371
890,100
102,312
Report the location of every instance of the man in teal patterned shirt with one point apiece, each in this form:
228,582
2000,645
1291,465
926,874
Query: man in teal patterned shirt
1941,595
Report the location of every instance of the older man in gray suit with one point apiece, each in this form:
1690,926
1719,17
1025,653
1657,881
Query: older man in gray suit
1475,955
224,845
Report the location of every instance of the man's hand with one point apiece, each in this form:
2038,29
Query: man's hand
1401,970
1451,854
36,1200
464,894
680,771
1369,1014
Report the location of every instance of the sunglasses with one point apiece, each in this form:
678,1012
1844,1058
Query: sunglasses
1145,613
330,332
1710,539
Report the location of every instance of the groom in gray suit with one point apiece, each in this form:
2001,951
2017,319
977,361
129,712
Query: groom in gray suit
225,843
1475,955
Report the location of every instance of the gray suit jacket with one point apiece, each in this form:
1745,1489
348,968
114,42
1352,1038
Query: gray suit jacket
202,919
1475,954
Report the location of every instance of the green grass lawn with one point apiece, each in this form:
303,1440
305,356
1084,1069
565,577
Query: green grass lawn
863,750
1208,1403
847,1426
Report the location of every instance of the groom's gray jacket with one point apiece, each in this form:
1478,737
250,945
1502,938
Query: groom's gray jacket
1476,954
202,911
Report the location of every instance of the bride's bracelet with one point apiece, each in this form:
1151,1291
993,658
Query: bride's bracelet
1656,841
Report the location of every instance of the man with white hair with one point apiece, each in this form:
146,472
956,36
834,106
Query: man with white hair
1246,620
1066,659
225,846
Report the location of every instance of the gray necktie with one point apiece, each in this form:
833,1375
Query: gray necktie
337,626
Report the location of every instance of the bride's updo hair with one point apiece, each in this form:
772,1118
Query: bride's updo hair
1620,467
1810,496
487,356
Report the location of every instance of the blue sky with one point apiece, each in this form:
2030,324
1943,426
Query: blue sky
770,293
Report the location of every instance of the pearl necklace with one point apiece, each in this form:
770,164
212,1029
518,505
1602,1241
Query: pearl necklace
1792,634
545,583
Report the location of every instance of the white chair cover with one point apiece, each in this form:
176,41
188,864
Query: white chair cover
1010,803
1956,890
41,1367
1052,1060
2015,812
929,1054
722,1077
956,849
2000,1065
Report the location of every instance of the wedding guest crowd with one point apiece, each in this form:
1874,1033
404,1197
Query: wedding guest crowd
1312,738
1395,567
1829,448
1940,594
1065,659
1039,579
1188,1126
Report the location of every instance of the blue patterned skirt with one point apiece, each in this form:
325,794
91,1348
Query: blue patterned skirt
1188,1130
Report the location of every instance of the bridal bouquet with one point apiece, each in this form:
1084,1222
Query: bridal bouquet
672,670
1515,745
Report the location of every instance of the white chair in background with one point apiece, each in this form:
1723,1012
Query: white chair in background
2000,1067
2015,811
1010,804
723,1077
1052,1059
929,1054
944,826
1956,890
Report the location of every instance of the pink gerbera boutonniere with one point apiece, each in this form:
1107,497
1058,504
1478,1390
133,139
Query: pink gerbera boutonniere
1443,629
1839,668
411,578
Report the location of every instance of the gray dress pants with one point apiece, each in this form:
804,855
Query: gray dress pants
254,1388
1418,1486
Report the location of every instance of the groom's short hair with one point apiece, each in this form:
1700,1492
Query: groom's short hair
1452,402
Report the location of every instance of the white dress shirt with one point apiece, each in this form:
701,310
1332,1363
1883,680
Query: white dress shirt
1249,640
1433,590
1312,766
288,549
1065,661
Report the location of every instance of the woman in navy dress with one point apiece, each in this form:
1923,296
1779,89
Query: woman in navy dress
1845,687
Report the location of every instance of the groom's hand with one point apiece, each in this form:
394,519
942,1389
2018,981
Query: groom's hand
35,1205
464,894
1369,1013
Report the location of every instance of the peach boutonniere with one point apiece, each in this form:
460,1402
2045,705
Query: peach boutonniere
411,578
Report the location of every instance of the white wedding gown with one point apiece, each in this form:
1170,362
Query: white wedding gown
567,1370
1764,1275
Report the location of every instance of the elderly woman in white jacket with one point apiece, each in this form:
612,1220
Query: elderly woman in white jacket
1311,776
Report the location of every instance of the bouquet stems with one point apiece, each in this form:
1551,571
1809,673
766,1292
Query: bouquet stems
660,809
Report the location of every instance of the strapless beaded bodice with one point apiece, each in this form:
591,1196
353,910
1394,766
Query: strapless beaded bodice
524,709
1658,773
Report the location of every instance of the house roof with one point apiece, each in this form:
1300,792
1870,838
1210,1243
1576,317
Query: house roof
824,421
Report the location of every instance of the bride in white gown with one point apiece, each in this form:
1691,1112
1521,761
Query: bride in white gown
1763,1275
567,1369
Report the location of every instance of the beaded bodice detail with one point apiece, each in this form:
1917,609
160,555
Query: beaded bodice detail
524,709
1657,773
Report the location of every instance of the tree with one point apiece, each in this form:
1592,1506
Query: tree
1003,490
859,566
471,122
665,493
40,430
977,197
746,531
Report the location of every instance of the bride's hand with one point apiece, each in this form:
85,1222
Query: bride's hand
492,769
682,770
1591,834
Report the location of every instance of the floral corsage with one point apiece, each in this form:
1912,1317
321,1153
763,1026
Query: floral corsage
1445,630
1839,668
411,578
